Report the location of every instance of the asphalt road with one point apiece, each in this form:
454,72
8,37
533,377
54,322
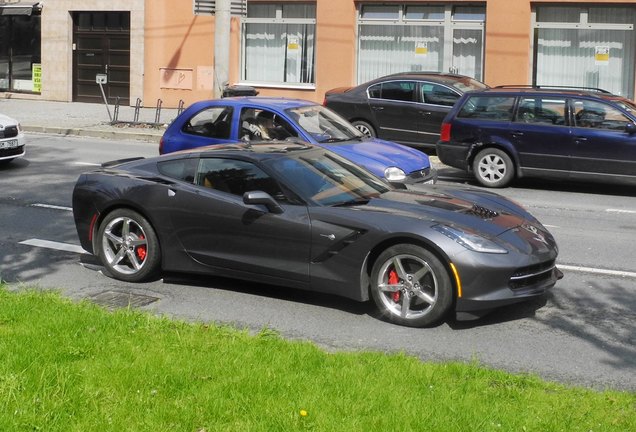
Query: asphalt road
582,332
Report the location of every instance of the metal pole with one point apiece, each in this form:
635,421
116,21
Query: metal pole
222,20
101,87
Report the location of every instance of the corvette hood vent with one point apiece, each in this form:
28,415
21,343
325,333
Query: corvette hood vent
482,212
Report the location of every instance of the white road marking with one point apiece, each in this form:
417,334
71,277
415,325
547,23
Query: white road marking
50,206
597,271
54,245
620,211
86,164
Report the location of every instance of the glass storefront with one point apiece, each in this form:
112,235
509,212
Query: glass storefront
410,37
20,40
585,47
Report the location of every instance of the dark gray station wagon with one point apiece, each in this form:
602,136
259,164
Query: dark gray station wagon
501,134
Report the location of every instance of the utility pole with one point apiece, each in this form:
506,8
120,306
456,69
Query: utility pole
222,20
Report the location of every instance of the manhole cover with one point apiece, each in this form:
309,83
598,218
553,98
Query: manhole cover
116,300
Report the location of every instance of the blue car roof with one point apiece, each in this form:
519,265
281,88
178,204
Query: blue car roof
272,102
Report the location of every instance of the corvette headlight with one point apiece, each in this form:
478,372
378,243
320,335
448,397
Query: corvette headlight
394,174
470,240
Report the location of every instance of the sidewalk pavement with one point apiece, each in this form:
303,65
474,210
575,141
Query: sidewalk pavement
86,119
93,120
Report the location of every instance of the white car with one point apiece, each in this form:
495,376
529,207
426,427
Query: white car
12,140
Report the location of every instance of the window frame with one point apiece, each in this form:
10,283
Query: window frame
278,19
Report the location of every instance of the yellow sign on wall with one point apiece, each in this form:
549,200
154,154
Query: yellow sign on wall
601,55
36,73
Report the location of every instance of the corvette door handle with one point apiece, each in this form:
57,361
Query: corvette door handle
517,134
580,139
378,108
425,113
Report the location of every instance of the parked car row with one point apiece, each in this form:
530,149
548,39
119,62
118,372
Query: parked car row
289,192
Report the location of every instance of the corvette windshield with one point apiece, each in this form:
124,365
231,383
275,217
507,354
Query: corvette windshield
327,179
324,125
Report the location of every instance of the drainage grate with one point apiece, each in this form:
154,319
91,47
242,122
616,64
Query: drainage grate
118,300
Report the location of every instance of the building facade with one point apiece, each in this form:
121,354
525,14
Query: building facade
164,49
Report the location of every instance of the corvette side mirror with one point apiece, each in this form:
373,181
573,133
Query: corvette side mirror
630,128
262,198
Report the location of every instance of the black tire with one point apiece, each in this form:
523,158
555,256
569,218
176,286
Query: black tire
128,246
365,128
410,286
493,168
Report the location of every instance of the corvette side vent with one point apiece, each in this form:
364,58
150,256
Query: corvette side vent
337,247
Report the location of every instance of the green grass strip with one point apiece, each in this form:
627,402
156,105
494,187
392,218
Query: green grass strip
77,367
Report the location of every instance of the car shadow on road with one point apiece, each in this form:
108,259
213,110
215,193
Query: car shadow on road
514,312
272,291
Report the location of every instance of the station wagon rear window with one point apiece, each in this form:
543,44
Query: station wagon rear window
488,108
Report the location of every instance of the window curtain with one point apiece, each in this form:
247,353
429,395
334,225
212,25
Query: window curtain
587,57
279,53
576,58
467,53
386,49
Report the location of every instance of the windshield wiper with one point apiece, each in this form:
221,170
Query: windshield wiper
359,201
334,140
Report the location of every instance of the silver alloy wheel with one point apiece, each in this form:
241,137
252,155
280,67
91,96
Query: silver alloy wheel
492,168
125,245
364,129
407,286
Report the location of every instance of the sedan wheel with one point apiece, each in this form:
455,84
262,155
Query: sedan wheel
128,246
365,128
493,168
410,286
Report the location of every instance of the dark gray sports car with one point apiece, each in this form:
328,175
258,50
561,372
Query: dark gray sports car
296,215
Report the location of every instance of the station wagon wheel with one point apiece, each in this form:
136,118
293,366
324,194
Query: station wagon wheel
410,286
365,128
493,168
128,246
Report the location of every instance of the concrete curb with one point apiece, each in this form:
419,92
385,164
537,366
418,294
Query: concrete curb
95,133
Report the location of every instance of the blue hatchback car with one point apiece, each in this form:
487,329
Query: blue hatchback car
236,119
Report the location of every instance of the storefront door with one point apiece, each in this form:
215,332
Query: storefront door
101,45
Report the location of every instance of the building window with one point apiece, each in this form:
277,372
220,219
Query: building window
585,47
279,44
20,37
411,37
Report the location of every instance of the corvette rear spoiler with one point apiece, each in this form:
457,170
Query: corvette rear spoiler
120,161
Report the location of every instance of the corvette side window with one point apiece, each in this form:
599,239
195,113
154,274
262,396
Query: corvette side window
236,177
214,122
179,169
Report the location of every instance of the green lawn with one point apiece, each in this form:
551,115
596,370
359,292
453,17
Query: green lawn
77,367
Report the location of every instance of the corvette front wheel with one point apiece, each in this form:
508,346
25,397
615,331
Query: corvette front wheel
410,286
128,246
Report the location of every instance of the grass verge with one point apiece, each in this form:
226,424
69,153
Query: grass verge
77,367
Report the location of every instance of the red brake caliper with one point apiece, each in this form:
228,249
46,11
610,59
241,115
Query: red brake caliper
141,250
394,280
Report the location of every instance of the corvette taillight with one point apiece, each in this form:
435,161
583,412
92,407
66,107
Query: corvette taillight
445,134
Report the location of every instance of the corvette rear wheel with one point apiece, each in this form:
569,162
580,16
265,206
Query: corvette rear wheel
410,286
128,246
365,128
